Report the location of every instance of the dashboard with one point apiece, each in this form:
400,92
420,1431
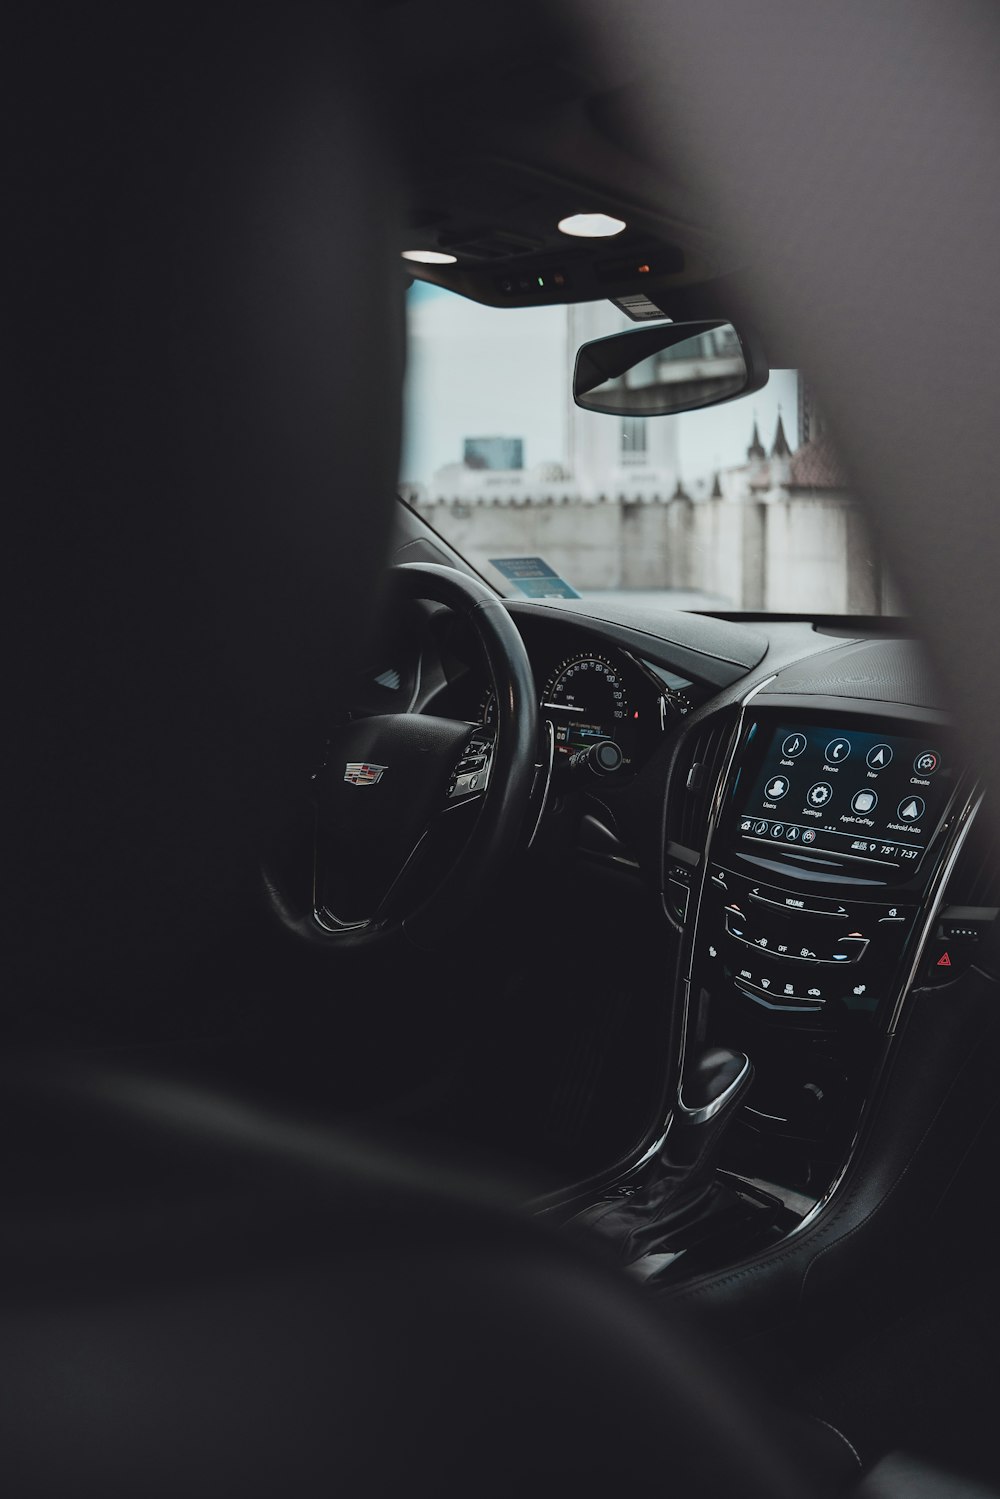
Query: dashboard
792,795
590,689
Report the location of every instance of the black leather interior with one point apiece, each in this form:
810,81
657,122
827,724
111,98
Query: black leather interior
201,1298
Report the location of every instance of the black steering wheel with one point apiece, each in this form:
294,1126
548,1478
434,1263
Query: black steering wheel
402,792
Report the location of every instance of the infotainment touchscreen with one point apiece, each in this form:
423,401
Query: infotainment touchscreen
869,797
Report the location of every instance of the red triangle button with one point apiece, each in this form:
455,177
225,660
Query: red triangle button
944,961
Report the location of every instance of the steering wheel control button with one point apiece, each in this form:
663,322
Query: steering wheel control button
776,788
926,763
819,794
911,809
864,801
793,746
837,750
878,757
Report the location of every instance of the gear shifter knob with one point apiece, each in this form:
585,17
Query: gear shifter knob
711,1090
710,1083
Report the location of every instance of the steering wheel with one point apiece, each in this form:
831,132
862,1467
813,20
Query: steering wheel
401,791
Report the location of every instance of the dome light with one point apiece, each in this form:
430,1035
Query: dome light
591,225
430,257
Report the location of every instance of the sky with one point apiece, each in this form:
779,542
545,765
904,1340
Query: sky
475,371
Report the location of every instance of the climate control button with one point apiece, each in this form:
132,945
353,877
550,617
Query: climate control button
848,949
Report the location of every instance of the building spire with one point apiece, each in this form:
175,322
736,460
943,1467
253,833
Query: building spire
716,487
780,448
756,448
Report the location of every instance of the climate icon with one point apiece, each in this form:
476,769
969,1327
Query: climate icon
926,763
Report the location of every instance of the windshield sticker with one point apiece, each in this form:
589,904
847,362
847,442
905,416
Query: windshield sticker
533,577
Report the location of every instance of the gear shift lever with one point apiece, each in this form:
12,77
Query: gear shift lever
679,1184
712,1089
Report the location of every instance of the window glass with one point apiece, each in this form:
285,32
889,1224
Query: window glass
745,506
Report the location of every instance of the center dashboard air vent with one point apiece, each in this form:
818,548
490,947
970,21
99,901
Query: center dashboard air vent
693,783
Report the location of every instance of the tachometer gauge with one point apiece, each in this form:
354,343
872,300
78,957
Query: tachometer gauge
586,700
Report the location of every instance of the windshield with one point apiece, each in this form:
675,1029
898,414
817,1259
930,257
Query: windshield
743,507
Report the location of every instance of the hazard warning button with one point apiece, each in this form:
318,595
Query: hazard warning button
944,962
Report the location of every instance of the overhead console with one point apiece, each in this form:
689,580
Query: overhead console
832,829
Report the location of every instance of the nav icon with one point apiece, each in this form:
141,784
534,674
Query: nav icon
878,756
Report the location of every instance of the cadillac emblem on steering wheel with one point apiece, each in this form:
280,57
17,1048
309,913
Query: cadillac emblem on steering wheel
361,773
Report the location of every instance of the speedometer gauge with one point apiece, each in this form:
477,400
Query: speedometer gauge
586,700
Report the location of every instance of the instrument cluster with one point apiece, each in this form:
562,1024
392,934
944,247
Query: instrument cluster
593,695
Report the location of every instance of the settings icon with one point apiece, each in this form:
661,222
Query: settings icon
820,794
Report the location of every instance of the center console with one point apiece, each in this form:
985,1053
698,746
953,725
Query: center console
832,831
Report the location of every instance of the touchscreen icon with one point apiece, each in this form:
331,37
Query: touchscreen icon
911,809
776,788
926,763
820,794
864,801
793,745
878,756
837,750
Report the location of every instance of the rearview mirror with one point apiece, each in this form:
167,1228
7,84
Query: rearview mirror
669,368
